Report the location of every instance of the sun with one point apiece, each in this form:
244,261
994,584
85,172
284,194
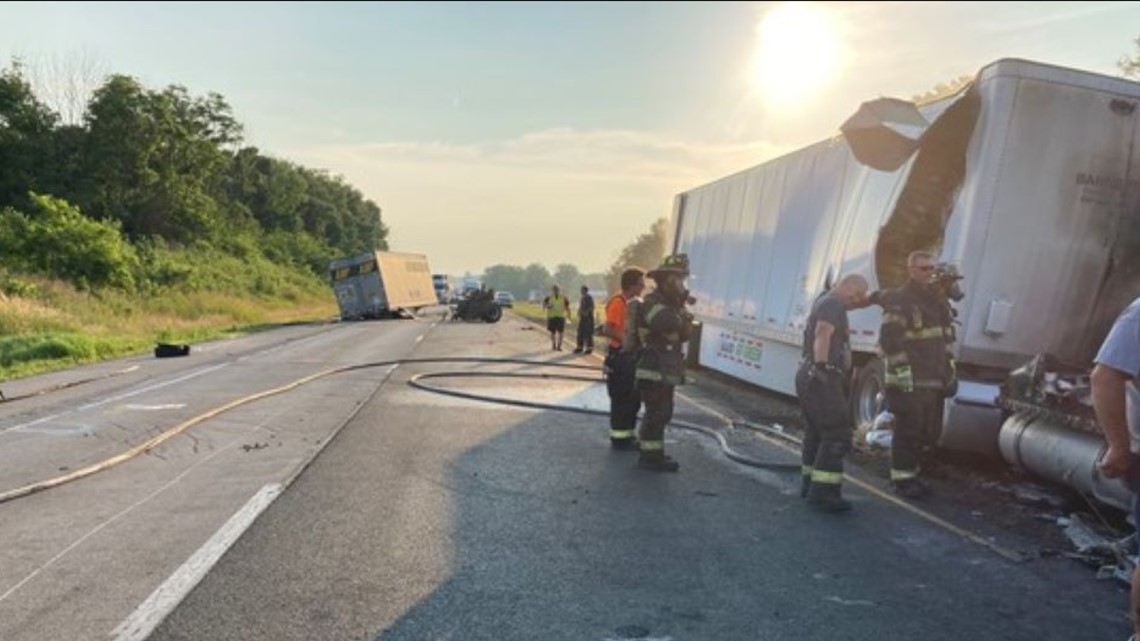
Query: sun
797,52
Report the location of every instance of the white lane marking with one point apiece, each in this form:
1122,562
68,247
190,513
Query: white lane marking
119,397
145,408
141,501
167,596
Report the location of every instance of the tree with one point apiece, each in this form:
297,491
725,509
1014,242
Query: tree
65,83
943,89
645,252
167,167
154,159
536,277
567,277
26,127
1130,65
506,278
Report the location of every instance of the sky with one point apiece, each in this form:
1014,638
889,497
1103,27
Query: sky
550,132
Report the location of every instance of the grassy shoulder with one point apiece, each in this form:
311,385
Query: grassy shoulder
48,325
535,312
530,311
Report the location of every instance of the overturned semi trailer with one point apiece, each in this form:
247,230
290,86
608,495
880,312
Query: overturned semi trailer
1025,179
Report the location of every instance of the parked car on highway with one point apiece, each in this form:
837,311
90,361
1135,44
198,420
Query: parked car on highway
505,299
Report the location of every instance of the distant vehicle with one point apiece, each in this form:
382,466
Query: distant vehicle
505,299
442,286
470,285
381,284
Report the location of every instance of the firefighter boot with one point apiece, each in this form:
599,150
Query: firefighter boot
910,488
625,444
825,497
657,462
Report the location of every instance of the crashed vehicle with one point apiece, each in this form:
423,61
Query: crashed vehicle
1051,429
1025,180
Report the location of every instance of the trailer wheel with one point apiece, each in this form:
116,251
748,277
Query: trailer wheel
493,314
867,394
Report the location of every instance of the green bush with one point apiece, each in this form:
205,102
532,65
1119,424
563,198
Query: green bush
55,239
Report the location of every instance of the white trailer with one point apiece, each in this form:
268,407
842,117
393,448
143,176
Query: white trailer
1026,180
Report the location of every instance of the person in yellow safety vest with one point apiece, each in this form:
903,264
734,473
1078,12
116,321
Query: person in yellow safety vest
621,359
557,309
821,387
663,327
916,337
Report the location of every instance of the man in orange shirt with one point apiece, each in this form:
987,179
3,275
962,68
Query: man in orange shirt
620,362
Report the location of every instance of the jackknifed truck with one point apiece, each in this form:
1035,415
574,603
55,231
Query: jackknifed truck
1027,180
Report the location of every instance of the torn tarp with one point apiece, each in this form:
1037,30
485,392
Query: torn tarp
874,132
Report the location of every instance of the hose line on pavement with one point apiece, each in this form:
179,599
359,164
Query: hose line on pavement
416,382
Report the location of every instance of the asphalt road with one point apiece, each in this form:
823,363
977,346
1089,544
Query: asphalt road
428,517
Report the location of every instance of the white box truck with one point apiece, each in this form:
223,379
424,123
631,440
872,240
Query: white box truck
1026,180
381,284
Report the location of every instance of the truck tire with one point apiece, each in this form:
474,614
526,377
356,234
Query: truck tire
867,394
493,314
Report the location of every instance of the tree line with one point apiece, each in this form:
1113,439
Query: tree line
645,251
152,168
521,281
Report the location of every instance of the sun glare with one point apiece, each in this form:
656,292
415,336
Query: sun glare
797,52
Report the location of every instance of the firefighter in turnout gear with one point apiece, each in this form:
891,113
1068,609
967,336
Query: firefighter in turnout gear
916,337
821,387
621,358
663,327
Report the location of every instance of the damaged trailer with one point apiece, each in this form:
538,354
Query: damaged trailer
1025,180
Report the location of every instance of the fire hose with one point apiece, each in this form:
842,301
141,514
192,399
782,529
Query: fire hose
418,381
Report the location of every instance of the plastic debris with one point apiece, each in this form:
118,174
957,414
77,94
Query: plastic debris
880,438
1037,497
884,421
1083,537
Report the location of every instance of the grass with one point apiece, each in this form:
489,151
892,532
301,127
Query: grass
534,312
530,311
47,325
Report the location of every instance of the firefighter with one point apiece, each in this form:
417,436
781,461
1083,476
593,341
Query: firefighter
916,337
621,358
821,384
663,327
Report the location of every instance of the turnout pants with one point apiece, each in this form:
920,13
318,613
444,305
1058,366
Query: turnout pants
829,429
918,426
658,399
625,400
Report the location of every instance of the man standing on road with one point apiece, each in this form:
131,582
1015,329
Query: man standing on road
1117,404
663,327
916,337
821,387
621,359
585,323
557,309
